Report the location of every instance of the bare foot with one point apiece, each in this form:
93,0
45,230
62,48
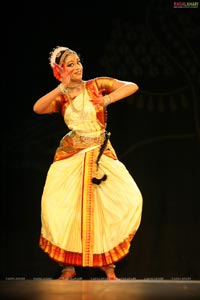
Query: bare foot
110,272
67,273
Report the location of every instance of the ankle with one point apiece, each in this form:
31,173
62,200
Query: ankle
70,269
109,271
67,273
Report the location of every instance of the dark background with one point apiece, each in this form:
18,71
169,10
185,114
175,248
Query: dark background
156,132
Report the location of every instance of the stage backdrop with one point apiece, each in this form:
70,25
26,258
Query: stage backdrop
156,132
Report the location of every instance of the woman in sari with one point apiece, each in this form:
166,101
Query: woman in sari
91,206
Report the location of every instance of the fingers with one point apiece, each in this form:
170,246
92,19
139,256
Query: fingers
57,67
62,70
98,93
98,101
101,91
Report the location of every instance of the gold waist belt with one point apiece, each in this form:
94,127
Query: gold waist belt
79,141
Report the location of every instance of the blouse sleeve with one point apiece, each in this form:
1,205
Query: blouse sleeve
57,104
105,83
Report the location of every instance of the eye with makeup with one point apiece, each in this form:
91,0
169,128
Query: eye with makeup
71,64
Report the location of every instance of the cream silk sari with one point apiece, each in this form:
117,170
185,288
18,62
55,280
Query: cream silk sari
87,224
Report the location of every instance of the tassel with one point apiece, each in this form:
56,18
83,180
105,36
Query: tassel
103,146
98,181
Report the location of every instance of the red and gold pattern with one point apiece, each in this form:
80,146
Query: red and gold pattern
65,257
73,236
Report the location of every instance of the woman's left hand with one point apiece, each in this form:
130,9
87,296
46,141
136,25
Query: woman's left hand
99,99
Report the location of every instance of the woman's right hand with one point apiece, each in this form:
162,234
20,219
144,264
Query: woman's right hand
63,74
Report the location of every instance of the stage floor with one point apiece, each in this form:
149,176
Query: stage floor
99,289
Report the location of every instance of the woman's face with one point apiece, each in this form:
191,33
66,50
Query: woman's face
74,65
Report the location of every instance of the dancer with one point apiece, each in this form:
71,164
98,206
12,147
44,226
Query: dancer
91,207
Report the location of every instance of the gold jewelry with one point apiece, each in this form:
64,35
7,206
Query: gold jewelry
107,100
68,272
62,89
71,100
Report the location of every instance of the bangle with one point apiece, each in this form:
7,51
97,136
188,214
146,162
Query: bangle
62,89
107,100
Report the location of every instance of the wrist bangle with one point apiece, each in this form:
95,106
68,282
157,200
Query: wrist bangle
62,89
107,100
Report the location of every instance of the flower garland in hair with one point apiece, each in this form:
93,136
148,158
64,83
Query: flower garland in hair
56,52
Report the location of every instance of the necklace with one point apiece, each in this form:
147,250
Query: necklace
76,86
75,107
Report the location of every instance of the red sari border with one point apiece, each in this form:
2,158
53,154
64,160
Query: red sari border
76,259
